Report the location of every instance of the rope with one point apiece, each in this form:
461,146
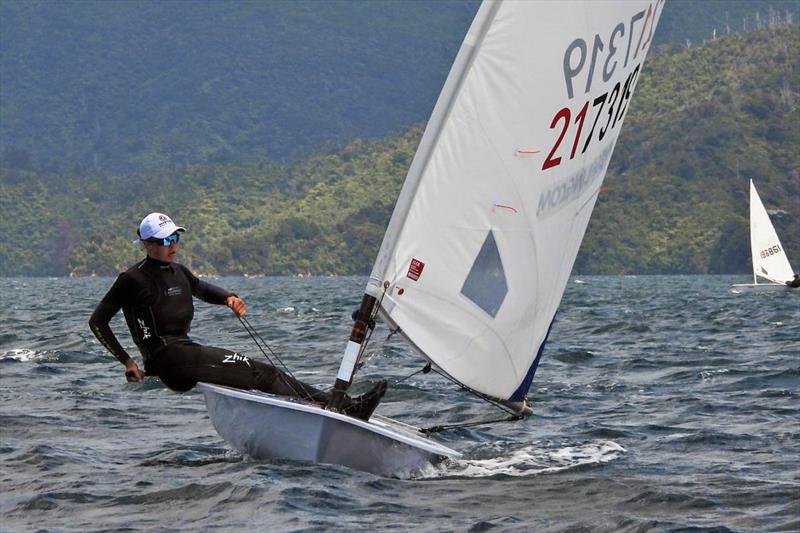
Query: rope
367,359
447,427
479,395
392,333
282,374
256,338
424,370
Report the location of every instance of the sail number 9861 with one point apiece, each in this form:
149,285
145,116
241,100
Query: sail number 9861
772,250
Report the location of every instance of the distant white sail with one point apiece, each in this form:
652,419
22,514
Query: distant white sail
769,258
498,197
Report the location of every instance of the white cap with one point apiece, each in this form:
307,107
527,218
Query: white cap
157,225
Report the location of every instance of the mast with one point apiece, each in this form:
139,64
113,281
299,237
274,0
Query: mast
352,352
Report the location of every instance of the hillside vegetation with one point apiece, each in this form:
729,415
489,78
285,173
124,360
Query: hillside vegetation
703,122
135,86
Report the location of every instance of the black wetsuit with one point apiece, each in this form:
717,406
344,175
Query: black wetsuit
156,299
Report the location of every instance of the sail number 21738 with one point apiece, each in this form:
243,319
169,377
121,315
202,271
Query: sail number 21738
617,100
609,107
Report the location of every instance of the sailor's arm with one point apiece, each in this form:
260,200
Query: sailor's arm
215,295
99,323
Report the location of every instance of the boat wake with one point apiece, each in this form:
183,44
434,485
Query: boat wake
530,460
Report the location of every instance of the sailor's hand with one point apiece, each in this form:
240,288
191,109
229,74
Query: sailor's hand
238,305
132,371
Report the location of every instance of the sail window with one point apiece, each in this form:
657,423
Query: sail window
486,284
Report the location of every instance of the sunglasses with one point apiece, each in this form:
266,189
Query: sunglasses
174,238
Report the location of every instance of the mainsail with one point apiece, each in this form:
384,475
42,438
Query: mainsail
769,258
497,199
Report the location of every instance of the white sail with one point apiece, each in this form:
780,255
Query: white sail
769,258
498,197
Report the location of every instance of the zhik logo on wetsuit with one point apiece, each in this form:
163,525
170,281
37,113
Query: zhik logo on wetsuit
236,358
144,328
174,291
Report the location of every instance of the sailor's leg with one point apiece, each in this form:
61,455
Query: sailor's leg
272,380
180,366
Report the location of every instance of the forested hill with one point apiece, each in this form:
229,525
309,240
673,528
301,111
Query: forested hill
703,122
139,86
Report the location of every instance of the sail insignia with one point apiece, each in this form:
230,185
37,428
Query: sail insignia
486,284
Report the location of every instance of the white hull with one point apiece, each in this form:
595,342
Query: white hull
760,287
264,426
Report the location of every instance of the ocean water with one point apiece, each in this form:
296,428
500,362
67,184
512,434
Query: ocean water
662,403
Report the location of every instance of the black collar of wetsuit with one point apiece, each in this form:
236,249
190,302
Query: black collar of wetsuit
160,265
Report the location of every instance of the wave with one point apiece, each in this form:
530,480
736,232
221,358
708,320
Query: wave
529,460
27,355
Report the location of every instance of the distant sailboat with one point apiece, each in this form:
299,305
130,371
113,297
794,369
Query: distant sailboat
769,258
485,231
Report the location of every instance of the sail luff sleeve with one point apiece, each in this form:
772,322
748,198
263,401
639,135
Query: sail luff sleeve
461,65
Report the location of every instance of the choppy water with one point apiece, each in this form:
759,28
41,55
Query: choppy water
662,404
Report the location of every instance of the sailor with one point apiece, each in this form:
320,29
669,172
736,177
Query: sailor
794,283
155,296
